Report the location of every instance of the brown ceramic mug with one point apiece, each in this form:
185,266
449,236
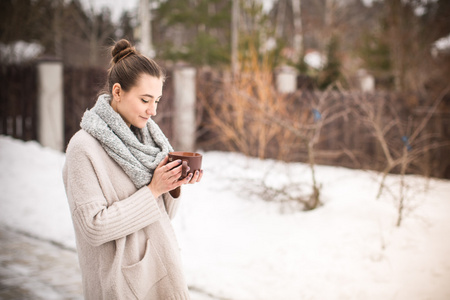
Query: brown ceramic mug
189,159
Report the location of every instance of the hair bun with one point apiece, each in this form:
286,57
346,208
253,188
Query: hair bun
122,49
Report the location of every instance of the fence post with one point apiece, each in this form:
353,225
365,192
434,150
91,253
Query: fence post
286,79
184,125
50,104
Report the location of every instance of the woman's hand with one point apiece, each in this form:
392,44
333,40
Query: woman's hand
166,177
195,177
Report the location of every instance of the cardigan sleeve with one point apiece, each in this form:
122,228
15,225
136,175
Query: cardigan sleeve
97,221
171,204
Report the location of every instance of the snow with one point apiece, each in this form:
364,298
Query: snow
443,43
314,59
237,246
20,51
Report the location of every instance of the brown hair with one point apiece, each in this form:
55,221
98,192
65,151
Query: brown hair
127,64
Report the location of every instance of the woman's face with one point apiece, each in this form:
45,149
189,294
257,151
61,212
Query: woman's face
138,104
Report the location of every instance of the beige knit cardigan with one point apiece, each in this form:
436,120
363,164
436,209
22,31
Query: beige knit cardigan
126,245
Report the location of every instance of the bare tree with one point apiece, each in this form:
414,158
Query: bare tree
308,130
236,118
402,141
254,116
94,30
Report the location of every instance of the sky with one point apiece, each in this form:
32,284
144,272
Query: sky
118,6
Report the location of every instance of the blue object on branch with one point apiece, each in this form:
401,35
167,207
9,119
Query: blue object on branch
317,115
406,142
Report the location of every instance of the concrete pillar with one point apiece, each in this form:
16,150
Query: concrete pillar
50,104
286,79
184,125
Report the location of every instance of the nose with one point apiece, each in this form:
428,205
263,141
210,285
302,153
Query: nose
151,110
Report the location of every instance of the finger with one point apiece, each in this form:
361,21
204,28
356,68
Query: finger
164,161
175,174
173,164
197,177
200,176
176,181
194,177
187,179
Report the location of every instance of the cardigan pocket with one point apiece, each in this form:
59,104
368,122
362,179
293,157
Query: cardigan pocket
143,275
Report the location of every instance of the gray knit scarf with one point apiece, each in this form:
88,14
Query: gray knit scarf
137,154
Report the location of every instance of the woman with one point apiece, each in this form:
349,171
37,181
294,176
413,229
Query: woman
122,191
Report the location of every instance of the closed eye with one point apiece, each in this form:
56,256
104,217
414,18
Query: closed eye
148,101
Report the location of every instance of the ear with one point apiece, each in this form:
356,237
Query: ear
116,91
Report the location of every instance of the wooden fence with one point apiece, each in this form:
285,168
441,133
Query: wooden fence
18,101
18,118
347,141
80,93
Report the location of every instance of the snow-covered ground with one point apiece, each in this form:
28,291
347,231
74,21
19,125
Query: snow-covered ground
237,246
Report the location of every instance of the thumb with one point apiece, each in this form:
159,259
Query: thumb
164,161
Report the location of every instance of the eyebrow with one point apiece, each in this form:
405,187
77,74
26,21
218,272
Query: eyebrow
150,96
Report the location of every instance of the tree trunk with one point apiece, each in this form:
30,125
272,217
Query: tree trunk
234,36
298,30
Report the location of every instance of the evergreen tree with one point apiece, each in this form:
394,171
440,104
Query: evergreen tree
331,71
194,31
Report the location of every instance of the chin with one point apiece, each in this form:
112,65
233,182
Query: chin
140,126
